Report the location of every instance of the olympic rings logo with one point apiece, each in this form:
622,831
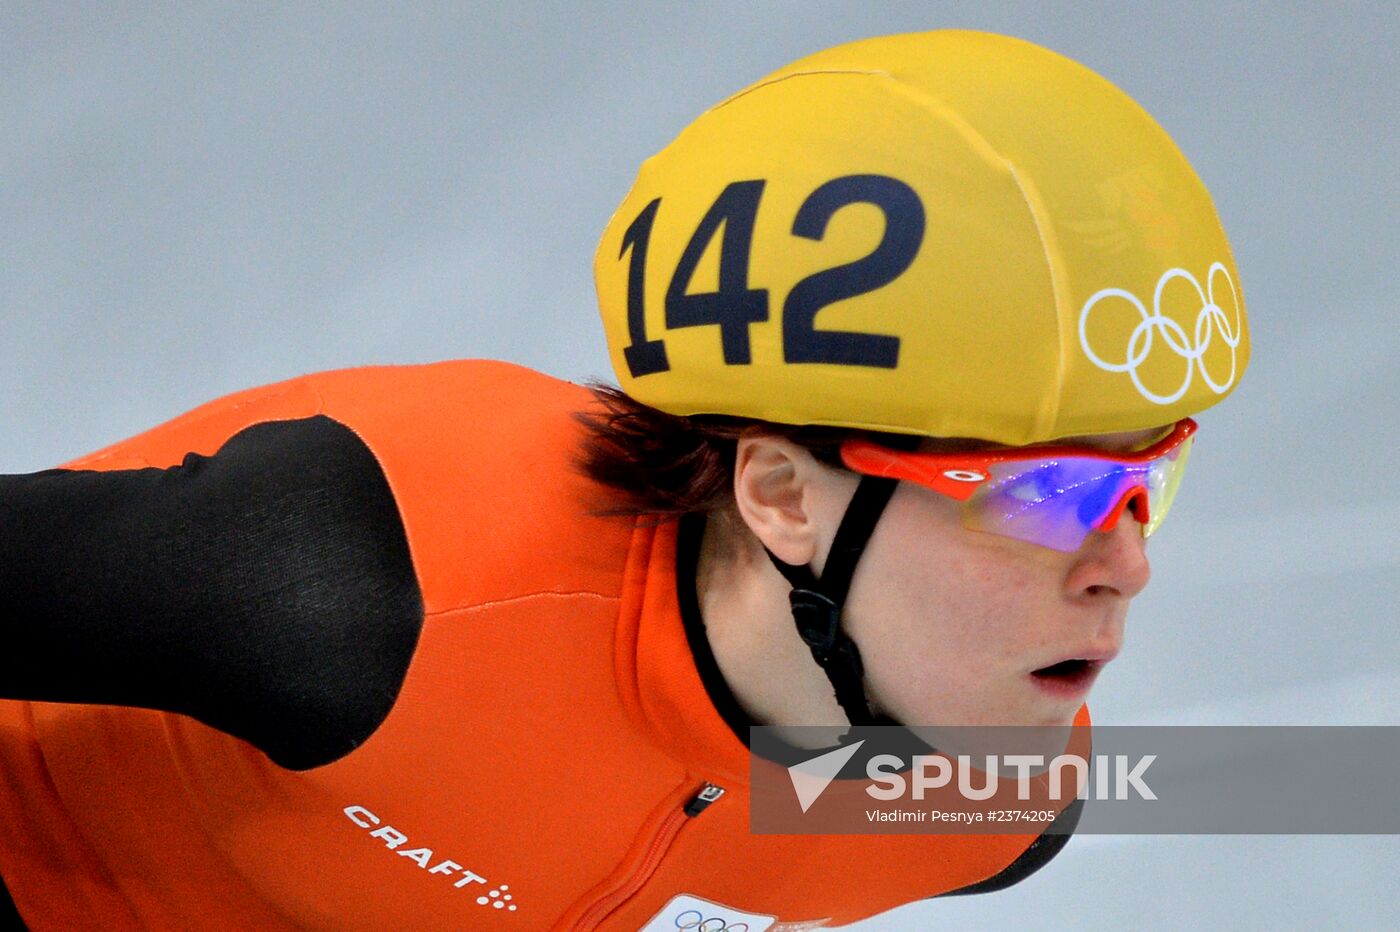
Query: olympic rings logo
1209,320
692,920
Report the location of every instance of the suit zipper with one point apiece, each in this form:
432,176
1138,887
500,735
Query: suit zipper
661,841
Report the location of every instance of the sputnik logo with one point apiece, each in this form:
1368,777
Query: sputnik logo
811,777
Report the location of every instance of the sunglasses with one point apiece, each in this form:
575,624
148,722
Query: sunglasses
1051,496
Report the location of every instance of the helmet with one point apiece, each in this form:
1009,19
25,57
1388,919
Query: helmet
946,234
950,234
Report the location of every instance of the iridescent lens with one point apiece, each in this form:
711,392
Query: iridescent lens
1057,502
1163,480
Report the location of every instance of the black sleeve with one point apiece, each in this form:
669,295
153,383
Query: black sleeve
266,590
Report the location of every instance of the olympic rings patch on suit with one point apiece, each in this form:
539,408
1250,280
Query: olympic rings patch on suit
689,913
693,920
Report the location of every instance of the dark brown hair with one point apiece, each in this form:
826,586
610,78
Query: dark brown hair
671,465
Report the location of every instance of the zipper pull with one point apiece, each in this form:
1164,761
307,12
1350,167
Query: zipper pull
702,800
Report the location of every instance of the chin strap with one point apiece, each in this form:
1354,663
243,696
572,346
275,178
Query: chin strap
817,603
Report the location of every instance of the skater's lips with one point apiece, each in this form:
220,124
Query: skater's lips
1097,655
1068,679
1072,675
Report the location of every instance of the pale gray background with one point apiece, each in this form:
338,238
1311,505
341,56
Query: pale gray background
198,199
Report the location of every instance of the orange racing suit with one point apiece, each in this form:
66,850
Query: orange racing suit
538,767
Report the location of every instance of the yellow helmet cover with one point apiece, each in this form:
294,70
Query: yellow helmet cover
952,234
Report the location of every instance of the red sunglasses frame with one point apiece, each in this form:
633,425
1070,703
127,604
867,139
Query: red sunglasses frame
958,475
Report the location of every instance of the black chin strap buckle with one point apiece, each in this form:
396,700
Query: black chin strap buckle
818,620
